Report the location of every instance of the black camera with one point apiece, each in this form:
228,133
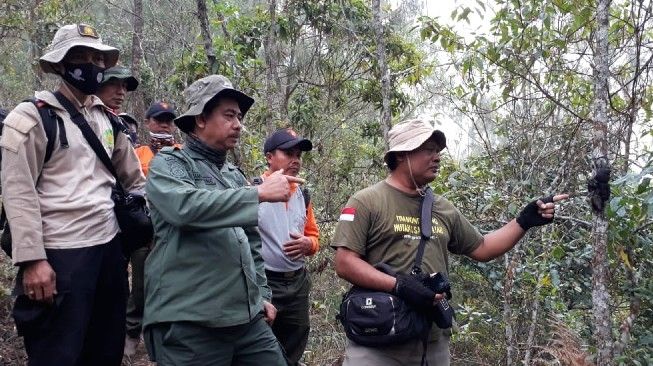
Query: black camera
438,283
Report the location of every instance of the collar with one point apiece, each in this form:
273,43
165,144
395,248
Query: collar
197,156
47,96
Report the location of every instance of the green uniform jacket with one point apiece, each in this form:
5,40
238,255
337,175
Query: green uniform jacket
206,265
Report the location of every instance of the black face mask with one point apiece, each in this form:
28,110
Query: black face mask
84,77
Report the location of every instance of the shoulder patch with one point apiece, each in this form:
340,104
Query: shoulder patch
23,118
17,126
12,139
175,165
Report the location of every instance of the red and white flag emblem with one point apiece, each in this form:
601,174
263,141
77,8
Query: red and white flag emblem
347,214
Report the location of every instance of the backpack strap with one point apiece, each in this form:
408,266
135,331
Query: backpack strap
90,136
51,123
426,208
307,196
117,123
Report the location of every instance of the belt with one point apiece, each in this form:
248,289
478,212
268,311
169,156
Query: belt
290,274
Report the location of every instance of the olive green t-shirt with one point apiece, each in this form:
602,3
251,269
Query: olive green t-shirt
382,224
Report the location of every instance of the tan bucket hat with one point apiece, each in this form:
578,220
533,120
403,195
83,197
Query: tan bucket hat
411,134
73,35
202,91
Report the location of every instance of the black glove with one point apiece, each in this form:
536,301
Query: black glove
529,217
439,283
410,289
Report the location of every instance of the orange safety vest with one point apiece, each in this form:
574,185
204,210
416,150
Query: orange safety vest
145,155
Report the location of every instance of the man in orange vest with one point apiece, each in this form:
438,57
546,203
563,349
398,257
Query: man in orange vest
159,121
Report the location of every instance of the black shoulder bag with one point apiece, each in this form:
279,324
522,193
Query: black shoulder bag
375,318
131,210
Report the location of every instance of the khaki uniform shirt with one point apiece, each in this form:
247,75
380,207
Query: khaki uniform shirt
65,203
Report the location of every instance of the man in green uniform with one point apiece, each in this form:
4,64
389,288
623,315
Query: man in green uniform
381,224
206,296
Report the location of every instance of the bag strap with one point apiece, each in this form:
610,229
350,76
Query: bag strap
89,135
426,227
426,208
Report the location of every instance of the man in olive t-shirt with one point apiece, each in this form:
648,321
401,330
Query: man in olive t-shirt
381,223
386,229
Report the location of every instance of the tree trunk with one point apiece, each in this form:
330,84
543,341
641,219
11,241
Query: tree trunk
600,295
138,96
386,117
35,48
535,308
272,80
510,262
206,36
231,59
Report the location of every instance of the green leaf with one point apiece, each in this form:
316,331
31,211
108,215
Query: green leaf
558,252
643,186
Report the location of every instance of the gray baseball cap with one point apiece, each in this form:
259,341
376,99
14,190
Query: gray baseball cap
411,134
74,35
121,73
204,90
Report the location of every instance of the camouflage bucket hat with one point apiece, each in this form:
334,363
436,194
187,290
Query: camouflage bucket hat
204,90
121,73
411,134
74,35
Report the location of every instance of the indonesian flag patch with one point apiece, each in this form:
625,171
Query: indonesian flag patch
347,214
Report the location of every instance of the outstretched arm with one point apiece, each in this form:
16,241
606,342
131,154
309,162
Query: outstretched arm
500,241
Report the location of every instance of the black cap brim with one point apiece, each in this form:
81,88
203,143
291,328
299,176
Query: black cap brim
302,144
156,115
131,81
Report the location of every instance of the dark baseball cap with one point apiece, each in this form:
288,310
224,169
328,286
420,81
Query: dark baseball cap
285,139
121,73
160,108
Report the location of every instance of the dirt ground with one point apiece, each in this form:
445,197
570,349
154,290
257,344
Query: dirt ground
12,351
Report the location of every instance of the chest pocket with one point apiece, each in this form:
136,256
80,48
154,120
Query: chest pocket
204,179
209,178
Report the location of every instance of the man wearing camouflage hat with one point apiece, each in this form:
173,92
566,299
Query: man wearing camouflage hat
71,283
117,81
206,295
380,224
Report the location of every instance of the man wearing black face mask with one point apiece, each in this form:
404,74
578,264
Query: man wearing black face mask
71,285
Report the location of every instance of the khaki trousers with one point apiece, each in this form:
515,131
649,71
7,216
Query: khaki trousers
409,354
